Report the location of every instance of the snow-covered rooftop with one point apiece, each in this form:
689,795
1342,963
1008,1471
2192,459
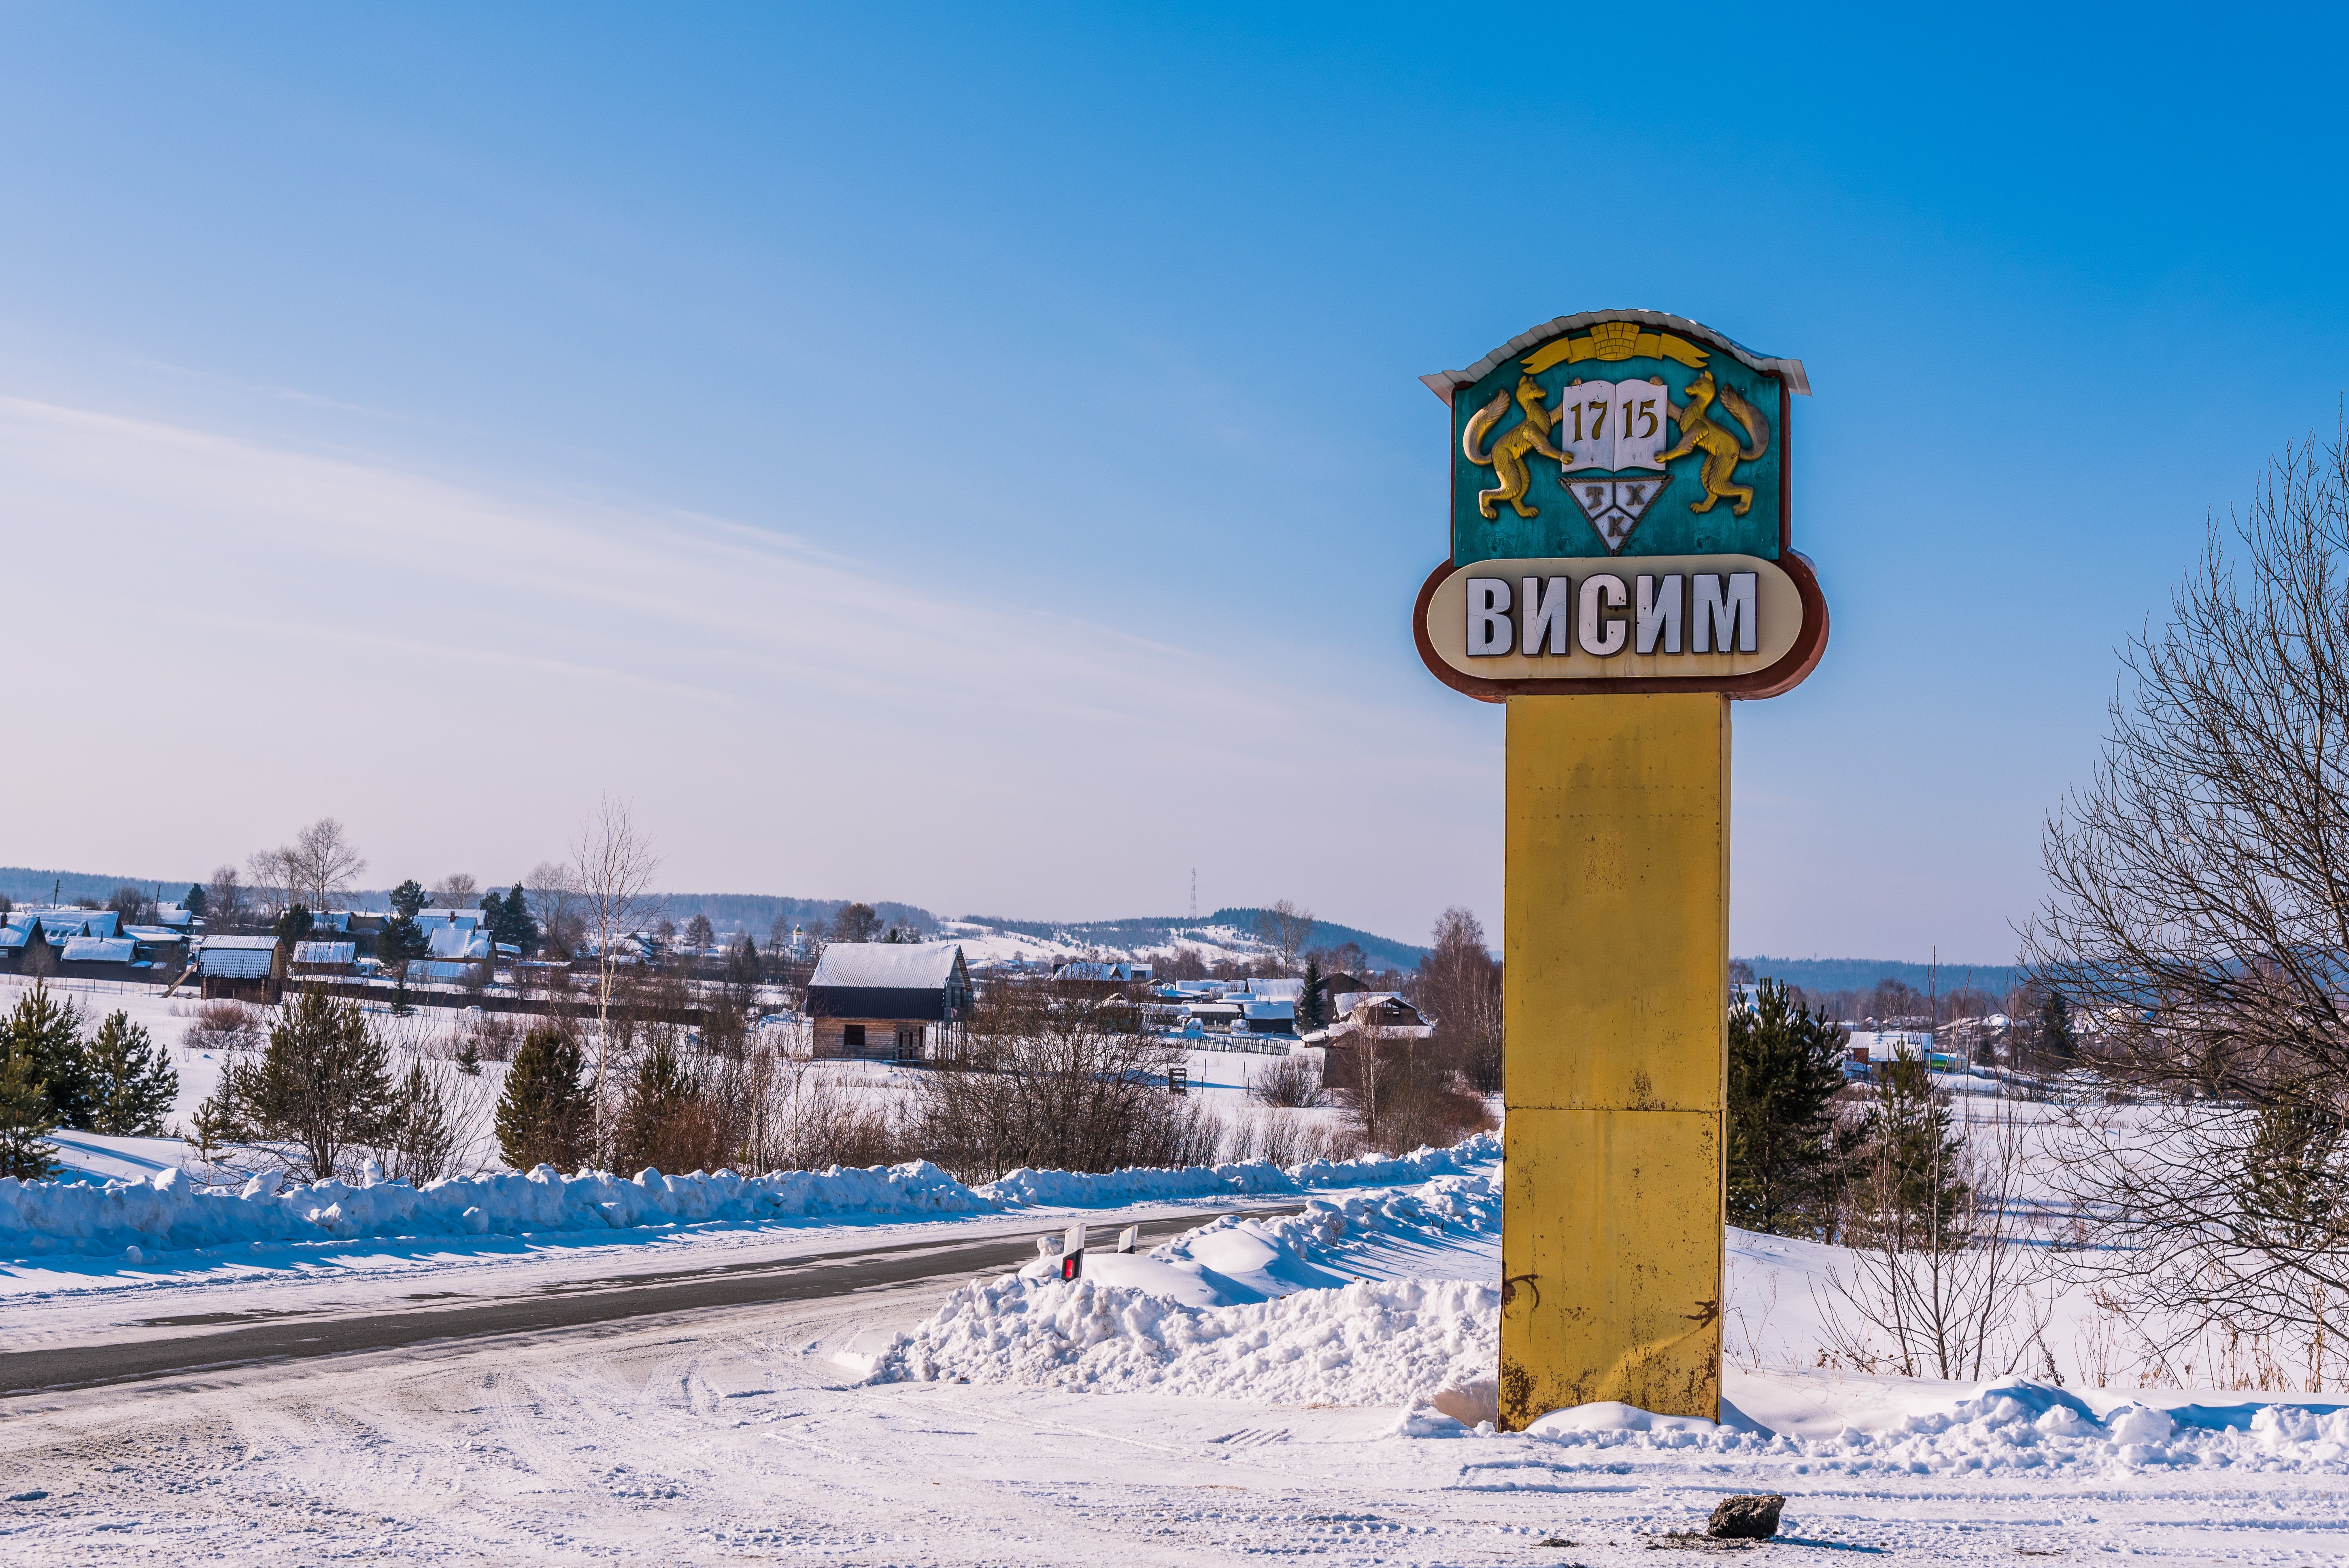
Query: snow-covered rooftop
887,966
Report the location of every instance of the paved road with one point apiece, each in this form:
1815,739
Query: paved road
240,1340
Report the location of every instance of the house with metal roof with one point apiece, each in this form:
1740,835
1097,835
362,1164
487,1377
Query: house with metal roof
888,1001
323,958
102,958
58,922
1083,972
243,968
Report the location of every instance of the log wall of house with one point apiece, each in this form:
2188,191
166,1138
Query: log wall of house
882,1038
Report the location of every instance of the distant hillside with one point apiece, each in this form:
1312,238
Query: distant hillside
1858,974
757,913
24,884
1158,930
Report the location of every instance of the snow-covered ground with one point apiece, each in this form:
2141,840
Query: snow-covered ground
991,946
1219,1079
1317,1383
1302,1385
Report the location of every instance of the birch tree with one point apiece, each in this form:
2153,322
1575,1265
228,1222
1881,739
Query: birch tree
610,877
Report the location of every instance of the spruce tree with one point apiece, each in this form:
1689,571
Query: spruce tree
402,939
1785,1064
408,898
519,927
2059,1045
131,1080
193,901
1310,1004
25,1121
544,1116
47,1032
296,923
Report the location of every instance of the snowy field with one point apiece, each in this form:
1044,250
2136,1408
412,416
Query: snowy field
1317,1383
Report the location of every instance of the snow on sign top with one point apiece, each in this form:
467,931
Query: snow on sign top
887,966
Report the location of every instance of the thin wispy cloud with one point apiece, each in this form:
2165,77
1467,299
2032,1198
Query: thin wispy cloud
503,656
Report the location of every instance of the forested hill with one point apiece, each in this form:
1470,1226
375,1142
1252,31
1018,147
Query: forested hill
1859,973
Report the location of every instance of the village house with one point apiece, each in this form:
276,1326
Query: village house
101,958
242,968
329,958
1102,979
886,1001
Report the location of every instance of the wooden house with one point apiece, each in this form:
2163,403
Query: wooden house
886,1001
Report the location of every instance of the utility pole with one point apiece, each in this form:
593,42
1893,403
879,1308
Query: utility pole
1195,894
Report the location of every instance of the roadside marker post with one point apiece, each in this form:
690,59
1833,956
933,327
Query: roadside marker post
1128,1237
1072,1252
1622,567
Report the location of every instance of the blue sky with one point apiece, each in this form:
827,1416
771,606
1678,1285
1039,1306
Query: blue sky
975,456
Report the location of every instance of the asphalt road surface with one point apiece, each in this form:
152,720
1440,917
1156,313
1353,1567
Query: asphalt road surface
245,1338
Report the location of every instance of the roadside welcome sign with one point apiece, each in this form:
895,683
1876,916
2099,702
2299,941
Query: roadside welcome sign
1621,568
1620,518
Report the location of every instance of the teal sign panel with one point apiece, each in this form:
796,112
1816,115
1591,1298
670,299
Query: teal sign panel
1619,433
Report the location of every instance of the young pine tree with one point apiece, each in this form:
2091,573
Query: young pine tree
1911,1192
323,1085
544,1116
408,898
662,1122
419,1142
1785,1064
131,1080
46,1033
25,1121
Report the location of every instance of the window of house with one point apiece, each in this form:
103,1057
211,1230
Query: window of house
852,1036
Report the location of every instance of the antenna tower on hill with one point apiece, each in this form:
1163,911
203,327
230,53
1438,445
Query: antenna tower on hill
1194,892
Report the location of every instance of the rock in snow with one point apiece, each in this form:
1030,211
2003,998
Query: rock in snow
1745,1517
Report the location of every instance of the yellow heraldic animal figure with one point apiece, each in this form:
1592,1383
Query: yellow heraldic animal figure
1722,452
1507,457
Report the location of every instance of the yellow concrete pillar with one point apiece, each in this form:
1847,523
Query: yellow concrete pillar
1615,1055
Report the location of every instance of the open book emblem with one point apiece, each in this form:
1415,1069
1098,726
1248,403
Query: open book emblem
1614,506
1611,426
1603,429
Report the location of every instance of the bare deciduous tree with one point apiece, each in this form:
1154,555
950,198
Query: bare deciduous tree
1953,1298
1288,926
1053,1078
610,875
315,869
1458,987
2198,923
224,901
456,891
